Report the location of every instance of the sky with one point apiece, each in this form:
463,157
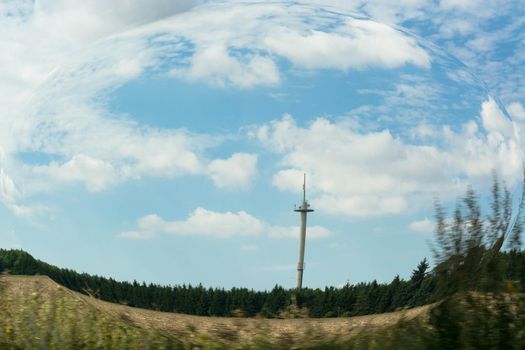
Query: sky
166,142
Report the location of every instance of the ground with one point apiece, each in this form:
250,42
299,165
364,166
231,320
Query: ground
40,303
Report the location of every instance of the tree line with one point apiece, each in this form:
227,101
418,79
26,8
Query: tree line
468,251
349,300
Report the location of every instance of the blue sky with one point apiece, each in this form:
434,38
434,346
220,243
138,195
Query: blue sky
167,142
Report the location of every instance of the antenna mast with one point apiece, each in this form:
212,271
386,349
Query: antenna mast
304,209
304,188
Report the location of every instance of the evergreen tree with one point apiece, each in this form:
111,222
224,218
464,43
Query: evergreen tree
419,274
515,236
417,278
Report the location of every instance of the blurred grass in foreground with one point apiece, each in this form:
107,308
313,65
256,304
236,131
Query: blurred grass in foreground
55,320
468,321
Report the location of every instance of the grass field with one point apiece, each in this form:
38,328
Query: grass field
39,313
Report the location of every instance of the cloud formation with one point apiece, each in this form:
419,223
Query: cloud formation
96,174
236,172
356,44
215,66
363,173
204,222
75,55
201,222
223,56
422,226
65,60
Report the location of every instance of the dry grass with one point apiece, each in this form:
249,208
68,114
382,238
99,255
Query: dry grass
37,307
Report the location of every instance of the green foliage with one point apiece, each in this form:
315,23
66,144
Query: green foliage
480,306
467,251
468,321
350,300
479,297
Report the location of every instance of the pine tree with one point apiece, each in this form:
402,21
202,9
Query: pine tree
515,236
420,272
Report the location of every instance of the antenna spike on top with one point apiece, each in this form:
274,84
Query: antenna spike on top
304,187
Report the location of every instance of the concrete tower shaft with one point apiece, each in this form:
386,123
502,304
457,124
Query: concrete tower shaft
304,209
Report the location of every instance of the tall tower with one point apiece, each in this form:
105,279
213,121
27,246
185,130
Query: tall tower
304,209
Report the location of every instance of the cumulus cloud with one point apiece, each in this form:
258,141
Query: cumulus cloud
224,56
93,19
215,66
236,172
96,174
10,197
8,190
362,205
517,111
363,173
53,61
75,55
201,222
204,222
357,44
422,226
495,122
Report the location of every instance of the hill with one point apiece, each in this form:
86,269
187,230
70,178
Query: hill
39,313
349,300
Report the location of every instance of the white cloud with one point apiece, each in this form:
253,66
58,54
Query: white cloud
361,205
209,223
224,56
165,153
10,196
466,6
8,190
74,55
64,59
422,226
215,66
517,111
50,96
357,173
236,172
495,122
395,11
93,19
57,52
203,222
96,174
357,44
